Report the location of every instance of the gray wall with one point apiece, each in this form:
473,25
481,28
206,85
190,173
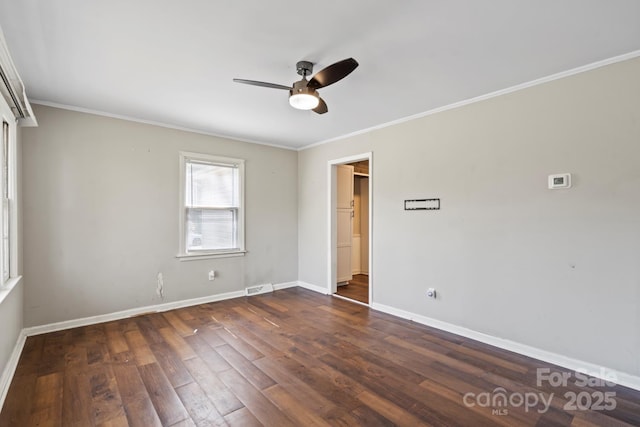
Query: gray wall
101,216
557,270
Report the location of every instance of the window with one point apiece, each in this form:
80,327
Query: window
6,214
211,211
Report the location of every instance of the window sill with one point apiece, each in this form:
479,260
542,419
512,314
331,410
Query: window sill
195,257
6,289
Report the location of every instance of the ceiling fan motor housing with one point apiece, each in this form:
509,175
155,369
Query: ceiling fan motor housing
300,87
305,68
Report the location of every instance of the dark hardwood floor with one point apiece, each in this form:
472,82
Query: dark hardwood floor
292,357
357,289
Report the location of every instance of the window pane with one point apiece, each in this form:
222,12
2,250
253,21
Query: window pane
5,160
6,254
211,185
6,257
211,229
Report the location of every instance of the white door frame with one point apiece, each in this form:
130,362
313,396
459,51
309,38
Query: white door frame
332,259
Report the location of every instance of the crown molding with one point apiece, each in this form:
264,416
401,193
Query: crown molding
480,98
153,123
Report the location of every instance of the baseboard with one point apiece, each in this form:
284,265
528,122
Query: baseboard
313,288
285,285
624,379
10,367
92,320
85,321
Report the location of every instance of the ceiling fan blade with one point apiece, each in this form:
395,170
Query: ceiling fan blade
322,107
333,73
262,84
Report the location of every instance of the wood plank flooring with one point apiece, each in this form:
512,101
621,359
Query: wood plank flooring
290,358
357,289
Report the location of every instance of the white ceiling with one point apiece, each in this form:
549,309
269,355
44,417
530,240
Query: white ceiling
173,62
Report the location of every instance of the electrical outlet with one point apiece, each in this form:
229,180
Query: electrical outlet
212,275
431,293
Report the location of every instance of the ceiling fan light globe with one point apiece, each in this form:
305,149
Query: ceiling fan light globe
304,101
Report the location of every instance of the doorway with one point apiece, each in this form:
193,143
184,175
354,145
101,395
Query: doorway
350,202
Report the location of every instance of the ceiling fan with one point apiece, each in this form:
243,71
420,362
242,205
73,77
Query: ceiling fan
303,94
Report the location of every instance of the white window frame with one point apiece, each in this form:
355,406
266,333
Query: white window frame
7,281
183,253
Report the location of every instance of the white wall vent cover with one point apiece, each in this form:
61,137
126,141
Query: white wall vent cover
259,289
